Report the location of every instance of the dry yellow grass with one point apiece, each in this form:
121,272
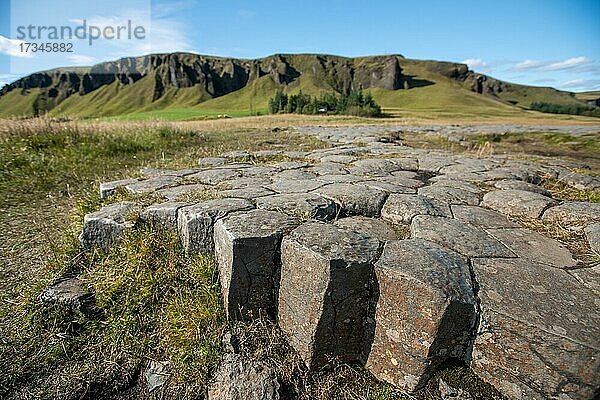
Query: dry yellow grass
288,120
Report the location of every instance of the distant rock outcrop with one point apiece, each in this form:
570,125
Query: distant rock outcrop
214,76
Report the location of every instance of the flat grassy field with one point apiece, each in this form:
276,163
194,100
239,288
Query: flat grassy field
152,302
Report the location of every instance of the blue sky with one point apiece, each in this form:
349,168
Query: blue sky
544,43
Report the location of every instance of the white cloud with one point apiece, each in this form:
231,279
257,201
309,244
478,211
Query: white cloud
475,63
12,47
569,64
527,65
163,34
581,84
79,59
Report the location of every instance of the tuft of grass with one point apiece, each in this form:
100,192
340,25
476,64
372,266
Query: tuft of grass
150,303
560,190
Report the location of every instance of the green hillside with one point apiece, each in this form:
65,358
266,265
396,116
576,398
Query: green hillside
191,90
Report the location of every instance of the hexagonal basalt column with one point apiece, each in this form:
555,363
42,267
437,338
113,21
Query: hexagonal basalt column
104,228
425,313
195,223
325,291
247,246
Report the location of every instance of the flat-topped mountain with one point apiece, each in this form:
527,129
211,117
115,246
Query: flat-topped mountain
216,84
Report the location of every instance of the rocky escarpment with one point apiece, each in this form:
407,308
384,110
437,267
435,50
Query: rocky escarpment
214,76
395,258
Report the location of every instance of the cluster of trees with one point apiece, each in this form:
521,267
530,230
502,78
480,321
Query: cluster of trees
576,109
353,103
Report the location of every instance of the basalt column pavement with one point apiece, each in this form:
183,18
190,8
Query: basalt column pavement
397,258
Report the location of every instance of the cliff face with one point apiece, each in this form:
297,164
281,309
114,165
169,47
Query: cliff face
213,75
142,81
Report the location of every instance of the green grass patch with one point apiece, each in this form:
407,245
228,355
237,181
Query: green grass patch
151,303
562,191
183,114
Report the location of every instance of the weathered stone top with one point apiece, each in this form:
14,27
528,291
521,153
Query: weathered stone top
431,265
258,223
335,243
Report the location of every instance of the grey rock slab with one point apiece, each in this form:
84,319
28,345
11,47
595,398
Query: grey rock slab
295,185
148,172
533,246
241,378
152,184
212,161
339,158
163,216
533,341
578,213
504,174
70,292
404,175
425,312
400,180
156,172
214,176
157,374
107,189
450,195
579,181
294,174
517,202
247,246
466,165
259,171
291,165
466,186
233,165
196,223
406,163
521,185
329,168
373,167
246,193
389,187
402,208
433,163
344,178
106,227
482,217
592,234
178,192
373,227
243,183
355,199
324,294
463,238
303,205
473,177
